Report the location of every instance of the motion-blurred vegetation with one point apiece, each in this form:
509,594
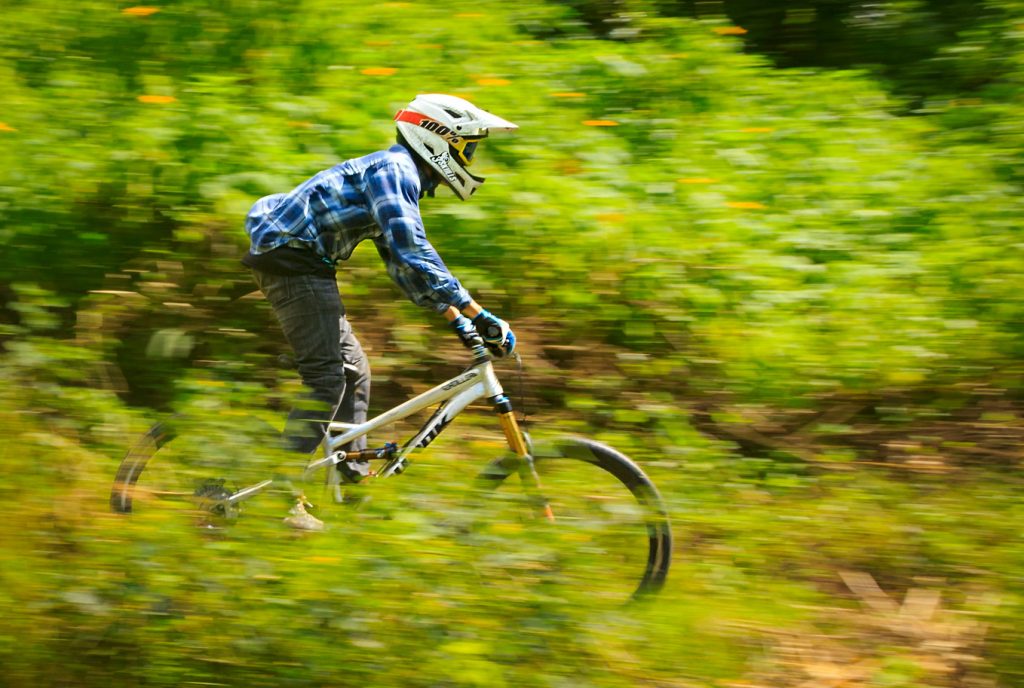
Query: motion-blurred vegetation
772,253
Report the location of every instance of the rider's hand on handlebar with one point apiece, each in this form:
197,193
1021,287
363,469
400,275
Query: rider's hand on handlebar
465,331
498,336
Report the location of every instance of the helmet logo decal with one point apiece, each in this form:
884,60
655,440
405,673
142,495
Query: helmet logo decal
439,129
441,160
432,125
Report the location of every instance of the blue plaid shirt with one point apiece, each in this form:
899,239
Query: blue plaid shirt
373,197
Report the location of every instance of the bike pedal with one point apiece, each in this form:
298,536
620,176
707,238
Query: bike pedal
353,471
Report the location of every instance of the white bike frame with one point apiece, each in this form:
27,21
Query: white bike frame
454,395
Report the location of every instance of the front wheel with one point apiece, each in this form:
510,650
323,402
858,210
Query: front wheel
610,535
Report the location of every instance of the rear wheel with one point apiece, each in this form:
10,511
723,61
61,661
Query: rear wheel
610,535
177,467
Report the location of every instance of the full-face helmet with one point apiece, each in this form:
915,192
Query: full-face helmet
444,132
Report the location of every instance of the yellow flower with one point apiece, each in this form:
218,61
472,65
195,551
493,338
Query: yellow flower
746,205
157,100
379,71
600,123
140,11
730,30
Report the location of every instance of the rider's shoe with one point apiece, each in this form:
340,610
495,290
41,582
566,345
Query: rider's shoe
300,519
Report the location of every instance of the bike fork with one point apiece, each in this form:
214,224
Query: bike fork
516,442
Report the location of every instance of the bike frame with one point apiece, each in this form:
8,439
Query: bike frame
454,395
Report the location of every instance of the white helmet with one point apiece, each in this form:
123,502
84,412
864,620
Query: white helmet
444,131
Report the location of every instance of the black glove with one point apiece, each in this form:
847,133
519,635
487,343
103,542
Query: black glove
465,331
498,336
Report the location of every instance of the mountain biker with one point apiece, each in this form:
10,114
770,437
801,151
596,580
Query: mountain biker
297,240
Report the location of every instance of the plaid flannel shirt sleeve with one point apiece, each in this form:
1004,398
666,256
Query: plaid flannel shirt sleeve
411,261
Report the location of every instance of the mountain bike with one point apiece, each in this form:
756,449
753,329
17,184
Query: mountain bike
585,500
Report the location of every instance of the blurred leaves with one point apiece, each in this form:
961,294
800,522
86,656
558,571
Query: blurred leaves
791,293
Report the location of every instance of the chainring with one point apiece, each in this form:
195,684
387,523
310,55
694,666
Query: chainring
211,497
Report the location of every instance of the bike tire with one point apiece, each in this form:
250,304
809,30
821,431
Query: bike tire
134,463
179,464
622,477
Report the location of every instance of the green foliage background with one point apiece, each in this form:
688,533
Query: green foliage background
791,294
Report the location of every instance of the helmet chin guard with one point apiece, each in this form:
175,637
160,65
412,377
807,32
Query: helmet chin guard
444,131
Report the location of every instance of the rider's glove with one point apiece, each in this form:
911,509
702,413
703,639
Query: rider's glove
497,334
465,331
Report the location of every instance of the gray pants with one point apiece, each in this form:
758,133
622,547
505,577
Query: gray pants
331,362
